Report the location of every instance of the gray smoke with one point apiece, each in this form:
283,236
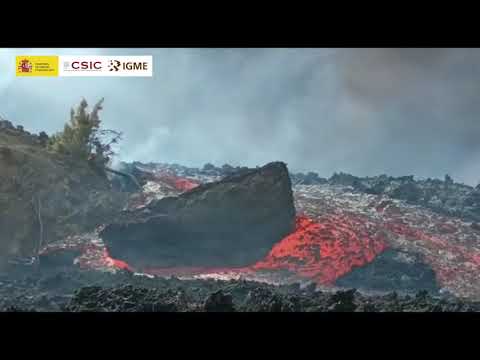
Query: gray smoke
363,111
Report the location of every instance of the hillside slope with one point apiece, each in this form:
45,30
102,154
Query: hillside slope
45,197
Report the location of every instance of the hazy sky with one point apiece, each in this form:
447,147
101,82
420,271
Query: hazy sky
363,111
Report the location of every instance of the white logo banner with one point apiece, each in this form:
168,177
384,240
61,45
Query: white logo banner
92,65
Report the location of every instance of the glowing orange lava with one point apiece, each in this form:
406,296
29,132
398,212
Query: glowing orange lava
326,250
179,183
121,264
185,184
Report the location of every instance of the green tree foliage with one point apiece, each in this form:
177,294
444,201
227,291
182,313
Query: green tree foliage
83,138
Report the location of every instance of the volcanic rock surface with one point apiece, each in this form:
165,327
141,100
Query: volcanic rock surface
444,197
80,291
392,270
346,223
227,235
231,222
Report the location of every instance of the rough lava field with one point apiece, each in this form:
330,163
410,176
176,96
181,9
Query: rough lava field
449,245
339,230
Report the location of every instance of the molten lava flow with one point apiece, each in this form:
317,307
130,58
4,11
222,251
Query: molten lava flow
185,184
179,183
320,250
324,250
334,245
119,264
345,230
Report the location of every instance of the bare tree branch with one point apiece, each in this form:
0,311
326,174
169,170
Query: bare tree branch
38,210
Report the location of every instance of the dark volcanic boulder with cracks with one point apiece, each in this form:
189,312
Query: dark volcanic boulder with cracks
232,222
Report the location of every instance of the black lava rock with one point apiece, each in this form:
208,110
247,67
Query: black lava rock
343,301
219,302
232,222
392,271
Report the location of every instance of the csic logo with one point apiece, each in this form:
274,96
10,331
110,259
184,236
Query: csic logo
82,65
25,66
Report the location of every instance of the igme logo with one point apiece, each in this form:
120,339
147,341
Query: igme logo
116,65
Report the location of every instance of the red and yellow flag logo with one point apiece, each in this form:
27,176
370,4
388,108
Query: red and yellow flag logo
37,65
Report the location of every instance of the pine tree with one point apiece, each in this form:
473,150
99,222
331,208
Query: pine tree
83,139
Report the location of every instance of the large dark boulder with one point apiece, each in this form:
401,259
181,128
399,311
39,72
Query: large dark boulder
232,222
